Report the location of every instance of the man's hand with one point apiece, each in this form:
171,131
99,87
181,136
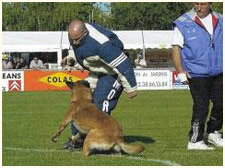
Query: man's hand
183,77
132,94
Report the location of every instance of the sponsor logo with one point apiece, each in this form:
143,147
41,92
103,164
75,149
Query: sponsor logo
14,85
176,82
58,79
11,75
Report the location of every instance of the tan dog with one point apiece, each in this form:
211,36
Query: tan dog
103,131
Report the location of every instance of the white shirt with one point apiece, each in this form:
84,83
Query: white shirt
34,65
178,38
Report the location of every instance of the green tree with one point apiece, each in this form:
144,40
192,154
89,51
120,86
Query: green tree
52,16
149,15
146,15
218,7
43,16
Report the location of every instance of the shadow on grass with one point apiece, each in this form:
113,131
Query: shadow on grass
143,139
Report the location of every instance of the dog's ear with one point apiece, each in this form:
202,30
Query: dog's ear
70,84
85,83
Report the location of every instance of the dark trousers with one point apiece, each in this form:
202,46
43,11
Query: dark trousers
204,89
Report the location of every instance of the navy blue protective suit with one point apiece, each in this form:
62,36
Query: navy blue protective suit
111,72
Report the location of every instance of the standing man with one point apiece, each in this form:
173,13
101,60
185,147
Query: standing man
198,58
99,51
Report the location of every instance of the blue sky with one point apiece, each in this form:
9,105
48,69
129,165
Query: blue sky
103,5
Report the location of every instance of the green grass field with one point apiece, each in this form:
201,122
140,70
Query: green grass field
159,120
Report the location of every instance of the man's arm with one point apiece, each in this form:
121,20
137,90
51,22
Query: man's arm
176,56
120,63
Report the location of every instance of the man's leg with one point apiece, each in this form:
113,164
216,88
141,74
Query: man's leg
216,118
199,88
215,122
107,93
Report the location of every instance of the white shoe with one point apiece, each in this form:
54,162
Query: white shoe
215,139
198,146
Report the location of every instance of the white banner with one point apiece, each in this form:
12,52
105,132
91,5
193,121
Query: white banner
153,79
13,81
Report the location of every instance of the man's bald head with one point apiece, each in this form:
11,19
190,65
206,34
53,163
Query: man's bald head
76,29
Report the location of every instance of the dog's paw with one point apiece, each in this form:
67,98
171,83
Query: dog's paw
55,138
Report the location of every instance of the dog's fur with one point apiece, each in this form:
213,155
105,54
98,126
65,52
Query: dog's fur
103,131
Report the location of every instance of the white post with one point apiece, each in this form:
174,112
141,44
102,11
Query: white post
143,40
59,57
92,16
59,52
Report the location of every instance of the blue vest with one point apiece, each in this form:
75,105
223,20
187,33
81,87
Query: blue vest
202,55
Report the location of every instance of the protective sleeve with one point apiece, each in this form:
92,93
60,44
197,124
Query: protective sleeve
120,63
111,35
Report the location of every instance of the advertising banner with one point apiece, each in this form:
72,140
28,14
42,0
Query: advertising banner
153,79
176,82
12,81
51,80
33,80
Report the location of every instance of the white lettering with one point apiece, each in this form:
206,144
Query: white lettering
111,94
105,106
176,77
116,85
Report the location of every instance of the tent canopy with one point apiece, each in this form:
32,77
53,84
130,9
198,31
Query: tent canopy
53,41
31,41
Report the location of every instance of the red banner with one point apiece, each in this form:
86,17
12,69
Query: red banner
50,80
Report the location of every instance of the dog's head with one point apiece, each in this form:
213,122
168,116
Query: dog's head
80,90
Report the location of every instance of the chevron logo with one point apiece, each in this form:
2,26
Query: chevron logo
14,85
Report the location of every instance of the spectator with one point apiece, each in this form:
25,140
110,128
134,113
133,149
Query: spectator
21,64
140,62
7,62
36,64
100,51
198,58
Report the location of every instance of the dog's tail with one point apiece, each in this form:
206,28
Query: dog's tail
131,149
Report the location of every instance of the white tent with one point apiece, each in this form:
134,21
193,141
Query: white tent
148,39
157,39
30,41
33,42
56,41
131,39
